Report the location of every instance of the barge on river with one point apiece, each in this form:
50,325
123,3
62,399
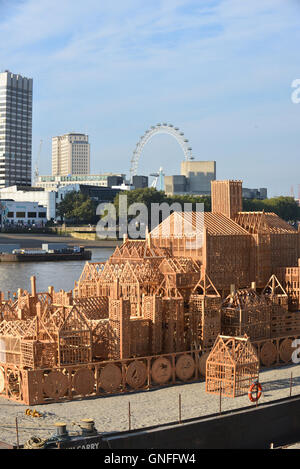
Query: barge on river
54,252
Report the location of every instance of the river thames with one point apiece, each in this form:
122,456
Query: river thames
60,275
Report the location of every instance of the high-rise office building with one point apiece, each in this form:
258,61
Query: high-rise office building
15,129
70,154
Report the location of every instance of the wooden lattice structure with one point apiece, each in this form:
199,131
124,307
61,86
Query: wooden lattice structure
231,367
212,245
204,314
290,280
152,313
247,312
235,247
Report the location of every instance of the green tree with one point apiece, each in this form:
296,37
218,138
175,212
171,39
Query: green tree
285,207
77,207
150,196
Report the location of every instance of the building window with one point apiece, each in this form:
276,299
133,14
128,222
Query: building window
42,215
10,215
20,214
31,214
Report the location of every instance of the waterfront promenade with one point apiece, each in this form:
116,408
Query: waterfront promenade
147,407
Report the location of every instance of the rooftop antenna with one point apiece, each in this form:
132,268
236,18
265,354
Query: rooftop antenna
36,168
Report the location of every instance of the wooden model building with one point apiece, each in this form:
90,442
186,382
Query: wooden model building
151,314
231,367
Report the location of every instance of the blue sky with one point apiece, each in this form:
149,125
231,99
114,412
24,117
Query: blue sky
221,70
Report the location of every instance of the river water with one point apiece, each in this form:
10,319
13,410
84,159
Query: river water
60,275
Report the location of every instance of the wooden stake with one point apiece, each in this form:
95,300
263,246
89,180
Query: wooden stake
291,384
129,416
220,398
179,403
17,432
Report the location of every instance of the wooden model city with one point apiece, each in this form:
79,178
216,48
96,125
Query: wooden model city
220,299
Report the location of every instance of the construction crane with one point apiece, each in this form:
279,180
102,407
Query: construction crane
292,192
158,177
36,168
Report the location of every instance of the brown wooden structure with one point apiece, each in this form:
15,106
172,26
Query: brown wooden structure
151,314
231,367
234,247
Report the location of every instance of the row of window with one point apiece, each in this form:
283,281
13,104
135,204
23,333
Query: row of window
18,175
14,168
16,128
14,106
14,140
14,94
23,114
15,89
21,129
18,110
10,157
13,128
12,113
8,111
15,122
29,215
7,131
4,99
10,90
13,137
18,161
16,151
12,99
16,133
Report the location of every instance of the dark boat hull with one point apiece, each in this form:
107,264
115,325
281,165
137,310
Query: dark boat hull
48,257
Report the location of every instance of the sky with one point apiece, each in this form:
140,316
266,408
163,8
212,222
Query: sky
220,70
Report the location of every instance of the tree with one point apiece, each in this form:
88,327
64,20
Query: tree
285,207
77,207
150,196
